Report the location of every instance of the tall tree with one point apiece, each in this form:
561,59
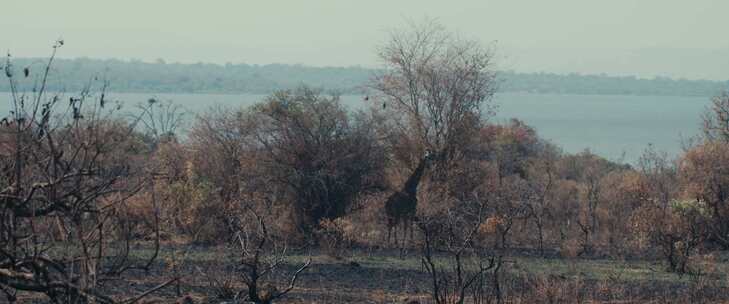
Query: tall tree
437,85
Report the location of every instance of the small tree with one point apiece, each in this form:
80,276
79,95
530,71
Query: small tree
542,180
623,192
509,204
261,255
715,119
160,119
588,171
464,273
677,230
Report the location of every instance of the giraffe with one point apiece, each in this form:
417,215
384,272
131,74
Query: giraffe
401,206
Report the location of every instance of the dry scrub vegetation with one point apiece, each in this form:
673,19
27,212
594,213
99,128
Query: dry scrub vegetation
418,198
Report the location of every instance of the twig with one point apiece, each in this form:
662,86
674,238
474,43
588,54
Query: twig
146,293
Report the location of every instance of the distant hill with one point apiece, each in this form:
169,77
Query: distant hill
608,85
160,77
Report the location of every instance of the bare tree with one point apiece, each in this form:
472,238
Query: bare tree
161,119
509,204
450,234
588,170
436,83
218,142
261,255
67,171
434,89
715,119
542,180
661,175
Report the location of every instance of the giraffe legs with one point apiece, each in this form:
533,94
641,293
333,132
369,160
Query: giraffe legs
389,232
395,228
407,227
407,234
392,232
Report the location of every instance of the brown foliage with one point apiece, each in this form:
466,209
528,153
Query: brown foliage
677,230
704,172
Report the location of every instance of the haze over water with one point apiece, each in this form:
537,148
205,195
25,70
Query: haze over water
614,126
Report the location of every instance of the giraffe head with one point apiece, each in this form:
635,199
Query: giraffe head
430,156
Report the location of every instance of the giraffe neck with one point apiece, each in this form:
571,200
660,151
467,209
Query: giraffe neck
411,185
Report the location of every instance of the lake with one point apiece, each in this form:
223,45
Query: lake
616,127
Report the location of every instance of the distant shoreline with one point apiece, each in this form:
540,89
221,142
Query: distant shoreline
361,94
137,77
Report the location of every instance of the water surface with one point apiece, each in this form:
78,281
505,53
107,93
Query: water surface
614,126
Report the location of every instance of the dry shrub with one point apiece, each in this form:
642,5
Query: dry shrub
137,214
222,287
552,290
335,235
179,204
489,230
371,221
491,225
365,226
570,248
380,296
705,276
197,213
610,289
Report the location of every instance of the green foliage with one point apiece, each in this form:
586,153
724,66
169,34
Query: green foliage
691,207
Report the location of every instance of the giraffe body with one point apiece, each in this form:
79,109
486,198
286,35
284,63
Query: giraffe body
401,207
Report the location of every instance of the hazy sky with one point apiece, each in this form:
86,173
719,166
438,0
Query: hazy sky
677,38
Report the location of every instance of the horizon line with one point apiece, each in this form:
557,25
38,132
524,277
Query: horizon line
162,61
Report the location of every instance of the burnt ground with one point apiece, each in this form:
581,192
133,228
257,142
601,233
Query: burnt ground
382,276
